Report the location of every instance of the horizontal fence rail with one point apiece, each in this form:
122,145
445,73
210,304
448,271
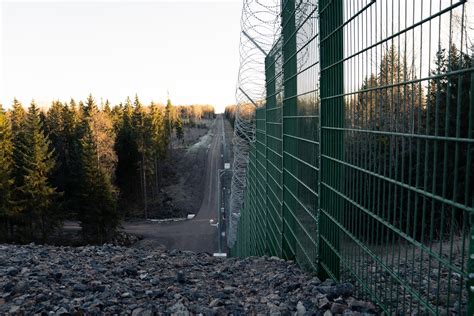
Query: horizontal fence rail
362,165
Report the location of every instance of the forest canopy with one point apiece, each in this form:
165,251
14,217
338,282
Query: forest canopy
84,161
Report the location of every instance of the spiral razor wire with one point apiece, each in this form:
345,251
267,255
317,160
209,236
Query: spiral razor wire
260,30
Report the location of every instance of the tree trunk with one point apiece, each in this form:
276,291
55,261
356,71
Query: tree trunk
144,187
157,188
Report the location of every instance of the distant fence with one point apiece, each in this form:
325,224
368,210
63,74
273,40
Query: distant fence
362,164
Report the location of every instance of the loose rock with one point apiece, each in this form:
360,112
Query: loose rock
110,279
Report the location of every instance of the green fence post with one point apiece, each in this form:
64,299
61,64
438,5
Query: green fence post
270,102
470,270
332,140
260,182
470,258
273,151
289,109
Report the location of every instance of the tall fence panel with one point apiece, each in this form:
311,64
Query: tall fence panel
300,131
365,147
332,136
260,186
274,143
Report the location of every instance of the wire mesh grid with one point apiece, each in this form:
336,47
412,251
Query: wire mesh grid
367,138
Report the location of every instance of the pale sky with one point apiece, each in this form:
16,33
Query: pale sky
114,49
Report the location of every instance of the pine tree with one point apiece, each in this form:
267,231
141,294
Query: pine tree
6,177
158,131
36,195
104,138
97,206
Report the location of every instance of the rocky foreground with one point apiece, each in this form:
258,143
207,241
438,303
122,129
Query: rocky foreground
112,279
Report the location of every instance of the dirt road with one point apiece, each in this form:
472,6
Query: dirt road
196,234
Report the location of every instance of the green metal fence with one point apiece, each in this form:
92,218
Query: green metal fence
260,185
273,154
362,168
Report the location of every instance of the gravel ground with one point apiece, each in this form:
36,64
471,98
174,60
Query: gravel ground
112,279
443,289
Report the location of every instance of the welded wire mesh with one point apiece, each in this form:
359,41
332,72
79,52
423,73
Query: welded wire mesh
274,148
260,183
366,147
300,131
398,208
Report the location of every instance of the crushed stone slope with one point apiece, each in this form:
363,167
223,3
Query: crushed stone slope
112,279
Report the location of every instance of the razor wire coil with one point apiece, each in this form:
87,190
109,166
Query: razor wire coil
260,31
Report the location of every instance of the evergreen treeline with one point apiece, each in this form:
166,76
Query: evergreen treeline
432,163
82,161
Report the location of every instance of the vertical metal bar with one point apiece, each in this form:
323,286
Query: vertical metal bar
332,147
470,168
289,108
218,211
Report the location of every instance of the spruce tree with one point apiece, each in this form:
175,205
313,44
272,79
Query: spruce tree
90,107
140,135
71,156
158,142
17,119
97,206
36,195
107,109
6,177
54,128
168,124
179,128
127,177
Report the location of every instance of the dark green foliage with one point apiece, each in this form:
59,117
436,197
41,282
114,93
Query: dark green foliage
142,138
433,165
105,162
229,114
6,176
35,195
97,207
128,158
168,122
179,128
17,119
446,114
62,126
89,108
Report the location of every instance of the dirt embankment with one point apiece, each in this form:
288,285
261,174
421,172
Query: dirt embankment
183,174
